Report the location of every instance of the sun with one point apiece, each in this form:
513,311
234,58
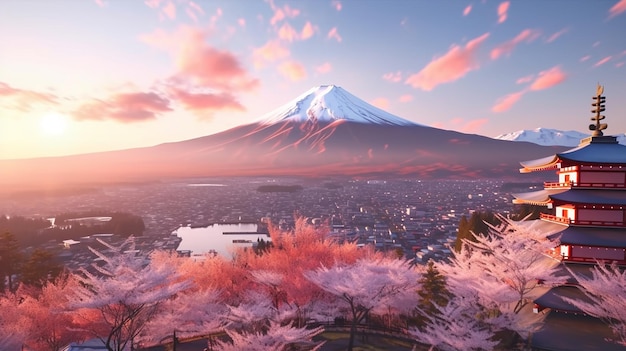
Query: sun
53,124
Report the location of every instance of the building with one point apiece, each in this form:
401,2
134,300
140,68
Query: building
586,211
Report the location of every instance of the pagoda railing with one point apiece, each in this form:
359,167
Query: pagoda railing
554,218
552,185
566,220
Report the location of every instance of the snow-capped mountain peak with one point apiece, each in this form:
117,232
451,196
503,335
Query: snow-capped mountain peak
551,137
329,103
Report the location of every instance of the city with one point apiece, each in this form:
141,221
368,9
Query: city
415,218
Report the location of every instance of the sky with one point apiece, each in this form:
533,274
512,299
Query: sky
81,76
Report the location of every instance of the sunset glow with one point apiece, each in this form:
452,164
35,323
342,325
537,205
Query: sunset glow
151,72
53,124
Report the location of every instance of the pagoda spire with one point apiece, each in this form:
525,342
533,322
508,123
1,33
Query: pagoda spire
598,108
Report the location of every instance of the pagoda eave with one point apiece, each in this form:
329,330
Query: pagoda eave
531,202
538,169
542,164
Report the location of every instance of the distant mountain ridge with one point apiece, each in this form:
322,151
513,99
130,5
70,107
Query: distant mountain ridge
325,132
551,137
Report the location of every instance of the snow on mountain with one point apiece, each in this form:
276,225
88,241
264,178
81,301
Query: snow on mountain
329,103
550,137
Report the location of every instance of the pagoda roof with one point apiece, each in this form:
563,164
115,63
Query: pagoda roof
553,298
593,150
573,196
592,236
539,197
567,332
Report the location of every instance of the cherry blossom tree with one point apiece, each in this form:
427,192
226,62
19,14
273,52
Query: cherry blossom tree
44,312
13,331
455,327
495,277
606,293
517,255
117,301
280,271
278,337
365,285
191,313
257,324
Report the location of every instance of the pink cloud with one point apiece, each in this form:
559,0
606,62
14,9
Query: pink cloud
100,3
603,61
336,4
286,32
585,58
22,99
524,80
333,34
201,63
154,4
453,65
617,8
381,103
211,67
279,15
595,44
324,68
170,10
202,102
619,64
124,107
548,79
307,31
393,76
467,10
272,51
503,9
242,22
282,13
405,98
218,14
292,70
506,102
193,10
527,35
556,35
474,125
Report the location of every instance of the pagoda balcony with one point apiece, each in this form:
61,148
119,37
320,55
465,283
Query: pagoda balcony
567,185
568,221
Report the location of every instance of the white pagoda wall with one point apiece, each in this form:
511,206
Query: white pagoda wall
573,177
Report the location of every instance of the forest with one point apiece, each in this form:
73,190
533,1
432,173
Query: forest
282,297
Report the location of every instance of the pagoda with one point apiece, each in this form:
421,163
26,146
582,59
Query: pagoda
586,211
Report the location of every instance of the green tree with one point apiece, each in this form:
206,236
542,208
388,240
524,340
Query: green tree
39,268
433,291
478,224
10,260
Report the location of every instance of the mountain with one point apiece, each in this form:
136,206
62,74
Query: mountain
325,132
330,103
545,136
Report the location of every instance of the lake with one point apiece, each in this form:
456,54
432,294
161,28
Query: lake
202,240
